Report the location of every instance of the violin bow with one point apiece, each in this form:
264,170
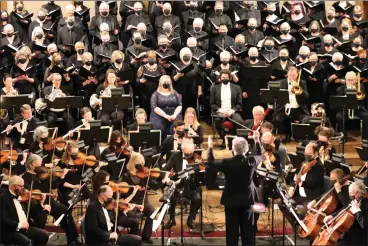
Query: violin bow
29,199
149,176
10,160
116,212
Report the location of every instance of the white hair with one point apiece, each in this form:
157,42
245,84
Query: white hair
198,21
51,46
224,54
285,25
240,146
252,49
359,187
104,5
141,26
104,27
32,158
185,51
258,109
137,5
304,48
350,74
192,40
167,6
37,30
15,180
337,56
252,20
8,27
327,36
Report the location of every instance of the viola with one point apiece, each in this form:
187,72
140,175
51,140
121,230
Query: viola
83,159
122,187
36,195
196,160
58,143
122,205
147,172
6,155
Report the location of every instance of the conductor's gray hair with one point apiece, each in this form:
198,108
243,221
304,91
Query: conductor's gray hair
240,146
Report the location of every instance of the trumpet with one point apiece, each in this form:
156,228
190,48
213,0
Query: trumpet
360,95
297,89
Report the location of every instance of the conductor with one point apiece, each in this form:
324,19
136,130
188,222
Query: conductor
239,193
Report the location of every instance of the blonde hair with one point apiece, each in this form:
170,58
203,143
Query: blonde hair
115,54
195,122
163,79
135,156
24,51
86,55
69,146
53,58
79,45
141,111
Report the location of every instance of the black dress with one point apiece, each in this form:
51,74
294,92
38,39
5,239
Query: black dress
21,27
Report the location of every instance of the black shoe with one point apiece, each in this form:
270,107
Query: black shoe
148,240
190,223
171,223
222,146
77,241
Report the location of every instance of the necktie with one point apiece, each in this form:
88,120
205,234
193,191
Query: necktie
70,37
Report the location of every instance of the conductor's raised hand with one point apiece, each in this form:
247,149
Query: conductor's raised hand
256,135
210,143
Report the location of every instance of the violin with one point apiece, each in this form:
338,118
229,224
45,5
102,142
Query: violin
306,167
44,172
124,150
268,158
146,172
196,160
325,206
122,187
6,155
58,143
83,159
36,195
123,205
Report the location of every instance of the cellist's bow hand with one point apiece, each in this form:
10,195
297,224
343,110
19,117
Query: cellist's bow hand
311,204
328,219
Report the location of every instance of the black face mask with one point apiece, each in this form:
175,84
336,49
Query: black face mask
307,158
41,18
186,58
239,45
345,28
39,36
70,23
218,11
356,45
297,12
197,29
105,13
22,60
358,15
138,12
4,18
78,2
137,41
193,48
151,61
108,201
44,140
10,35
166,85
222,34
106,183
303,56
163,46
167,12
321,143
328,44
253,58
252,28
330,17
284,32
88,63
193,7
167,30
57,62
180,134
248,6
225,81
80,51
314,30
74,156
225,63
270,12
284,58
313,63
338,63
119,61
188,156
19,8
269,47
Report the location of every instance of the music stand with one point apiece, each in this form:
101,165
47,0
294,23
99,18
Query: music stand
145,127
274,95
362,152
303,132
144,139
68,102
349,101
94,136
15,102
115,103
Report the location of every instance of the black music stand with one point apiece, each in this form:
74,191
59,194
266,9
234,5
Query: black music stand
15,102
68,102
274,95
362,152
145,140
116,102
349,101
94,136
303,132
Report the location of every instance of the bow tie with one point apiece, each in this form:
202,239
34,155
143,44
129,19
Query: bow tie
14,196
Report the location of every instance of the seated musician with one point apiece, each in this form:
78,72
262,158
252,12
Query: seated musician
98,224
296,109
104,90
72,179
86,114
179,161
48,205
317,109
362,113
192,124
103,178
15,229
324,135
52,114
173,142
358,232
225,99
258,112
134,167
140,118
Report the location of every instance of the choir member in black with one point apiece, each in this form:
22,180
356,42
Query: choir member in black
103,178
249,12
315,80
137,48
356,46
296,109
147,38
286,39
347,34
68,35
343,8
7,57
167,16
270,26
8,89
51,114
66,82
217,18
173,37
40,211
357,233
174,141
4,20
239,171
225,99
362,64
303,56
335,80
20,24
190,14
361,112
287,7
104,17
316,111
330,20
250,87
198,33
315,36
72,178
198,55
281,65
252,35
315,9
83,13
166,107
104,90
327,50
220,42
42,22
40,138
99,227
268,52
165,53
148,76
189,84
70,12
126,8
24,83
225,65
192,124
118,65
140,118
76,60
137,17
120,148
188,187
51,6
299,17
87,86
15,229
38,47
238,51
135,164
113,7
102,53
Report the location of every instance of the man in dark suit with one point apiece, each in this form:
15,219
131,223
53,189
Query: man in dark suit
104,17
296,109
225,99
239,192
98,225
178,162
167,17
68,35
258,112
173,142
190,14
15,229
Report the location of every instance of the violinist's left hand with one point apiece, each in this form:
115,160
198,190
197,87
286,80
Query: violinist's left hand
355,206
256,135
140,207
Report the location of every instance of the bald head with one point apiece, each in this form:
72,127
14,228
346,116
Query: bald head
267,138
